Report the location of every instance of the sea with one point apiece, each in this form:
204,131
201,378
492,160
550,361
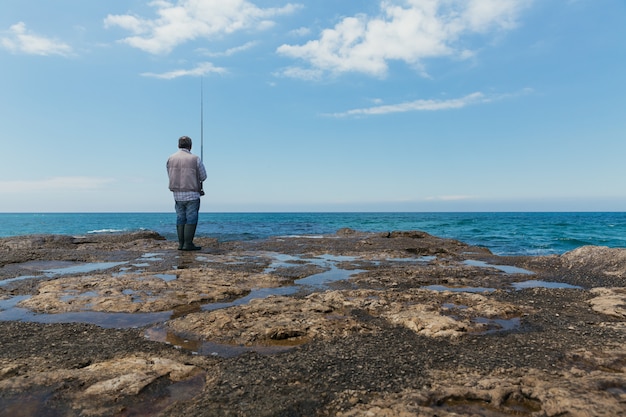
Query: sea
504,233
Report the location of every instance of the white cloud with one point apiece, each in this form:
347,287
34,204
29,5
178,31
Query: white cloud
303,31
53,184
187,20
301,73
233,51
418,105
200,70
431,105
21,40
406,30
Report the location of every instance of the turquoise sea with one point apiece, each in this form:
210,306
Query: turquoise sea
503,233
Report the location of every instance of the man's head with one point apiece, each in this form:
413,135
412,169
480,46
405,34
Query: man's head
184,142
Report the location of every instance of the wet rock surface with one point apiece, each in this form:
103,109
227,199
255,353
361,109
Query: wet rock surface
351,324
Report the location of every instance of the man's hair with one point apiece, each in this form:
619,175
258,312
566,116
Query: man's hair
184,142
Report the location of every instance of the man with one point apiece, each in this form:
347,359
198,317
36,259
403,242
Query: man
186,173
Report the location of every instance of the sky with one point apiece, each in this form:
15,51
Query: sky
314,105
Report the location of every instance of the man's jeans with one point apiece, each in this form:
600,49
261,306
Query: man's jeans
187,212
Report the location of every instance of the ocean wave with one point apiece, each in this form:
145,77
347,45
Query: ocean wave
304,236
107,231
572,241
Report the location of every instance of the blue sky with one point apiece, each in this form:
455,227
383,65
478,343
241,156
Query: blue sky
315,105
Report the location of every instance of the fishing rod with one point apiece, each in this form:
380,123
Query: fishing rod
201,127
202,119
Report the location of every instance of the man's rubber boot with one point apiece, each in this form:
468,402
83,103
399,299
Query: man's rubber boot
190,232
180,229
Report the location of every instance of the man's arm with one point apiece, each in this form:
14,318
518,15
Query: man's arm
201,170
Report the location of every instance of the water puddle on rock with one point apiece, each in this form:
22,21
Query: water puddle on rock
81,268
254,294
161,394
421,259
516,285
458,289
508,270
504,268
166,277
54,269
329,262
205,348
152,400
152,256
333,271
497,325
333,274
543,284
308,284
10,311
27,404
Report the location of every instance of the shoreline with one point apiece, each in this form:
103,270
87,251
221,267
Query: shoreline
524,234
349,323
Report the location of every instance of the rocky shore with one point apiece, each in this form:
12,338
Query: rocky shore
351,324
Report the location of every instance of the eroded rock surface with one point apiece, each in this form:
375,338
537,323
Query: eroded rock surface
331,314
132,293
101,385
609,301
601,259
382,324
507,392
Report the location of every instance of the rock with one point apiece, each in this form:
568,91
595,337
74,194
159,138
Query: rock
346,231
413,234
104,384
600,259
36,241
379,343
142,292
64,241
129,376
609,301
330,314
530,392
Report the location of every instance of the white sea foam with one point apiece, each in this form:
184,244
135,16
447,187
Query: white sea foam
304,236
106,231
